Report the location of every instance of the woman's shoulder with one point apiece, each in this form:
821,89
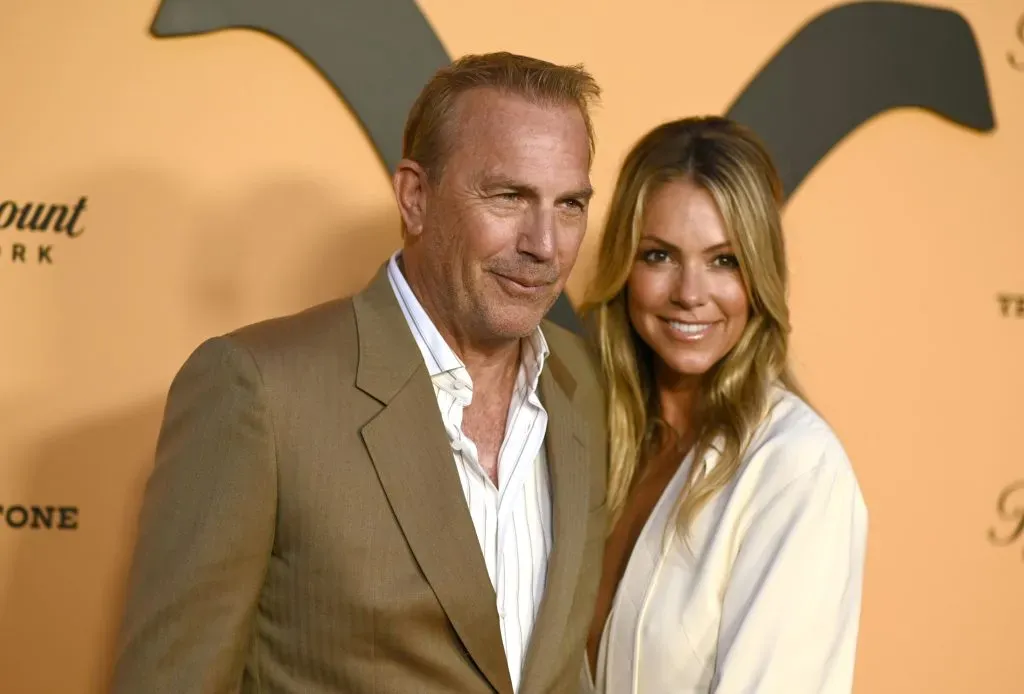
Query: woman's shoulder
792,421
794,441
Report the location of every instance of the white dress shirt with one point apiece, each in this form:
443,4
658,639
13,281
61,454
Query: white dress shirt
768,600
512,520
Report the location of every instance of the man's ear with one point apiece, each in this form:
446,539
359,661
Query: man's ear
410,183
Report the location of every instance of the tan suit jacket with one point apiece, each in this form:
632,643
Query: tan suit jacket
304,531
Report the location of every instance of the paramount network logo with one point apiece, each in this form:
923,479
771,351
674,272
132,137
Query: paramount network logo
26,229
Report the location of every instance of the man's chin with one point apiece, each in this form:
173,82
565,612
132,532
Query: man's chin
515,323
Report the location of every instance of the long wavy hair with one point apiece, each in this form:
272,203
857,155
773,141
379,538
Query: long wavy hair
733,166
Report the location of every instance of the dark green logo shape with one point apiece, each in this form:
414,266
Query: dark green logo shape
836,73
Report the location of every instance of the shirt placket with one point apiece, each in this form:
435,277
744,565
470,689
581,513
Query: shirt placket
458,385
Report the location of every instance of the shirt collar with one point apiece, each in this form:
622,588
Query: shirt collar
437,354
534,354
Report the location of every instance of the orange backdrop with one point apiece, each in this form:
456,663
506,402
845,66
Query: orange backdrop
224,182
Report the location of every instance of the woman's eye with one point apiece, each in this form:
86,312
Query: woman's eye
727,261
654,256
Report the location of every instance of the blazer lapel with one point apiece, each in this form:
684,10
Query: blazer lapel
568,465
413,459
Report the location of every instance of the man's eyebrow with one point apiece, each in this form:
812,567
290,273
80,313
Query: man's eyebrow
585,194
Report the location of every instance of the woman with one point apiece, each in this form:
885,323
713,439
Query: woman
735,559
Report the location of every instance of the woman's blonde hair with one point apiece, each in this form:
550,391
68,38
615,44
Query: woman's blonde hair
729,162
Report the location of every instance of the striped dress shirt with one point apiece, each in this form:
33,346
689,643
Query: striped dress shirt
512,520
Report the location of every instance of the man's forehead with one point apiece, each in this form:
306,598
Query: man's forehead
482,101
497,136
500,174
490,109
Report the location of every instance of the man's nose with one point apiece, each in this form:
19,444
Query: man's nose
537,237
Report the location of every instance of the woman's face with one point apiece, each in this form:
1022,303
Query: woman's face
686,297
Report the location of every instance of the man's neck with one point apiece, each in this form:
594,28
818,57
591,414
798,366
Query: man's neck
493,369
487,361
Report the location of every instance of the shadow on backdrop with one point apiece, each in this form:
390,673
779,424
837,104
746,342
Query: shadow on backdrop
167,297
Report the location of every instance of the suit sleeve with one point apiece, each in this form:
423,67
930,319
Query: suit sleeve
791,608
205,534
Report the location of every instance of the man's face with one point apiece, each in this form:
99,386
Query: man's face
502,225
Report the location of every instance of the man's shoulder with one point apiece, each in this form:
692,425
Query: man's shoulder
286,345
329,321
575,353
567,345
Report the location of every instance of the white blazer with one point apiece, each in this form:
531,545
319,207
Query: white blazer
768,600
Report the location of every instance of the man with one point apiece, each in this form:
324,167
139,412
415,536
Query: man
401,491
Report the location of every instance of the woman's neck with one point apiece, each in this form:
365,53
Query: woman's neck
677,396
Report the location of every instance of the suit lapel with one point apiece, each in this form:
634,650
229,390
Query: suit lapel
413,459
568,466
